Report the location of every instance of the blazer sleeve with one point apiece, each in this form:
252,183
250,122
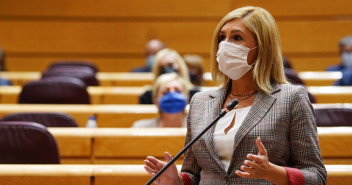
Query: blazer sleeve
304,144
190,165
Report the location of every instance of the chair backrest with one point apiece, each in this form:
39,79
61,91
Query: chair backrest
83,73
27,143
293,77
331,117
48,119
74,63
55,90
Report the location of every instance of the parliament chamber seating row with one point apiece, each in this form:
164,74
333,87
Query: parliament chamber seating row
133,145
108,115
313,78
130,95
112,174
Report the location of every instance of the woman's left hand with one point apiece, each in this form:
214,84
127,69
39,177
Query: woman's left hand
258,167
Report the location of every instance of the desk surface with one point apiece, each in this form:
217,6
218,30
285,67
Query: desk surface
130,95
316,78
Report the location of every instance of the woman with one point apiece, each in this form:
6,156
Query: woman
168,61
271,137
170,94
195,68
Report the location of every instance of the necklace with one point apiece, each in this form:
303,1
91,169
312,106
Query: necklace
243,96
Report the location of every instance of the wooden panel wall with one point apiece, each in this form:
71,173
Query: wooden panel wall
113,33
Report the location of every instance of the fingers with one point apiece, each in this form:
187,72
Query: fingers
247,169
168,157
250,164
150,164
243,174
149,170
262,150
255,158
159,164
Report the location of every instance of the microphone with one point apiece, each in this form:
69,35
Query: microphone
228,108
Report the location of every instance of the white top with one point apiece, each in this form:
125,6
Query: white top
223,143
152,123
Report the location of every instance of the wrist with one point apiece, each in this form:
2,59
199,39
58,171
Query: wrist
277,174
179,180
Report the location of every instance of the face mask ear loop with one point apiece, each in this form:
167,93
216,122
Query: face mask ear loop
253,48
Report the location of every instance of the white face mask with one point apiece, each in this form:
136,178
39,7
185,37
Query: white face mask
347,60
232,59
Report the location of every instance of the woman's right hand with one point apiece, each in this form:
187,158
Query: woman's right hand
170,176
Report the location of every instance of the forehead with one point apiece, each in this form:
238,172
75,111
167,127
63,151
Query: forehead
168,59
235,25
172,84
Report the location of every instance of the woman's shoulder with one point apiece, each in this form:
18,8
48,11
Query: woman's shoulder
206,93
294,92
293,88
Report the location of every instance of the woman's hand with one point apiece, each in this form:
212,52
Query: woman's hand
170,176
258,167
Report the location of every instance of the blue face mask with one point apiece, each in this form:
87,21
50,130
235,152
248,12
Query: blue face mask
172,102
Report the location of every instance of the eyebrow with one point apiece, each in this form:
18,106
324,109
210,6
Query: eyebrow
232,31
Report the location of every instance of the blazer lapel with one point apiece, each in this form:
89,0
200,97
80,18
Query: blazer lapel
260,107
213,107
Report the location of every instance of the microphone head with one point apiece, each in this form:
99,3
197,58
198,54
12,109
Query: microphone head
232,104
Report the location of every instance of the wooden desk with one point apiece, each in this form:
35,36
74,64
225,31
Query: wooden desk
332,94
130,95
46,174
112,174
75,145
106,115
98,94
313,78
104,78
131,146
320,78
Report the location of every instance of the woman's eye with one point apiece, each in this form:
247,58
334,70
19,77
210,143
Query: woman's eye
221,38
237,37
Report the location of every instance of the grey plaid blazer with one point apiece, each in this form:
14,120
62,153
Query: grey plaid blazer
285,122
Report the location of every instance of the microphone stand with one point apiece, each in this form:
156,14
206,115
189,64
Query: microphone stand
228,108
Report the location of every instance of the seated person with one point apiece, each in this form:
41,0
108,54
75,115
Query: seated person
345,49
195,68
167,61
346,79
170,93
2,60
151,49
3,81
287,63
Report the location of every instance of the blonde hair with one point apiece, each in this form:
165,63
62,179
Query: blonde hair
183,70
195,61
165,78
268,66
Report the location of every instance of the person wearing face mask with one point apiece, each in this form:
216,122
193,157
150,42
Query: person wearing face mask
271,136
170,93
168,61
345,49
151,49
195,68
